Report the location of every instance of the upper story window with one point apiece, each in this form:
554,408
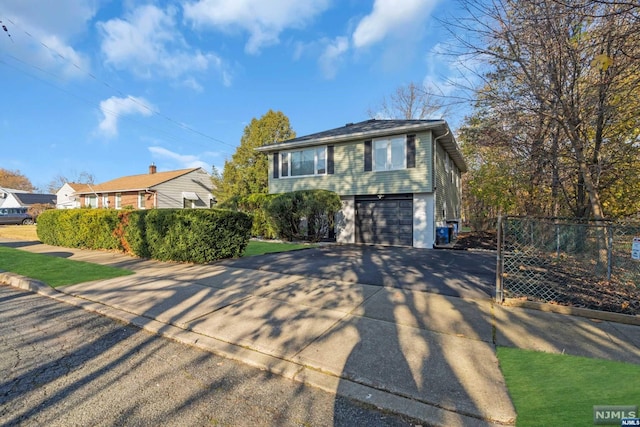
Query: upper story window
309,161
390,153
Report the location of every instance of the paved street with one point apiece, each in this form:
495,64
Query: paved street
64,366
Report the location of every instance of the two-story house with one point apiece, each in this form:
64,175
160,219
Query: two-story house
398,179
184,188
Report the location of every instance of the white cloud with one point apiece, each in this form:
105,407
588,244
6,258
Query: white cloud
182,160
115,108
148,42
41,31
332,56
401,18
263,20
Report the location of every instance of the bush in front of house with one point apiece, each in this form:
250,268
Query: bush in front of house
78,228
254,204
196,235
187,235
304,214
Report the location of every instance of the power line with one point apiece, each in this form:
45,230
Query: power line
106,84
102,109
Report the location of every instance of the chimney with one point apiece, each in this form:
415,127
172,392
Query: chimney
152,168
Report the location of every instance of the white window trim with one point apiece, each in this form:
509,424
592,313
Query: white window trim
315,162
105,200
88,199
141,200
118,201
388,161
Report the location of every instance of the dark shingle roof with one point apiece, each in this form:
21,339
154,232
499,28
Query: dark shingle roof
375,128
28,199
368,127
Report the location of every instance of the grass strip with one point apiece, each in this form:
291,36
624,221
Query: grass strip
258,247
55,271
561,390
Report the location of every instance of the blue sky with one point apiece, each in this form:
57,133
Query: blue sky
108,87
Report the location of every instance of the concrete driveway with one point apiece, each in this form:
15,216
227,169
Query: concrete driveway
467,274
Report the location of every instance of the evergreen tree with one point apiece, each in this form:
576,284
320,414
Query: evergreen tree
247,171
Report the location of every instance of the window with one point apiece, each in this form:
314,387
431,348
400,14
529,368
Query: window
118,201
91,201
389,154
311,161
105,200
141,204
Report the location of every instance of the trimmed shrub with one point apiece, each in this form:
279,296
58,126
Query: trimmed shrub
286,212
319,209
196,235
189,235
305,214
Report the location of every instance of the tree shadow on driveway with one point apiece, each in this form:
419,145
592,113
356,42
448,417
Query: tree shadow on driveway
467,274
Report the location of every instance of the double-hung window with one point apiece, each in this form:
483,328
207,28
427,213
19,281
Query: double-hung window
91,201
390,154
141,201
309,161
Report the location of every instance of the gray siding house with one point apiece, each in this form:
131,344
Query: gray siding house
398,179
184,188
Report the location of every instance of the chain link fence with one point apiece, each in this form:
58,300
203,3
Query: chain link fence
588,264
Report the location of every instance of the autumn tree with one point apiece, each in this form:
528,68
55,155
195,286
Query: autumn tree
410,101
247,171
562,80
15,180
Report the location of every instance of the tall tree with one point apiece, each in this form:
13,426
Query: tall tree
247,171
410,101
562,77
15,180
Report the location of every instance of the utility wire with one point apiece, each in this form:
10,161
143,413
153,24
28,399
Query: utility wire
89,102
111,87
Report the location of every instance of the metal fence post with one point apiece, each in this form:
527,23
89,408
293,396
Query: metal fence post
609,252
499,266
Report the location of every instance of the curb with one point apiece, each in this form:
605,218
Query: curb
628,319
380,399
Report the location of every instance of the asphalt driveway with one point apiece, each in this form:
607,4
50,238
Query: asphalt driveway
469,274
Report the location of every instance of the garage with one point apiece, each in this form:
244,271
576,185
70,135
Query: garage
384,219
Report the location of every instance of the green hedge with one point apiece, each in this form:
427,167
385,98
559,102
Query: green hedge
189,235
305,214
79,228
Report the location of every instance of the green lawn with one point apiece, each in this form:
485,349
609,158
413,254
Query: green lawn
561,390
55,271
259,247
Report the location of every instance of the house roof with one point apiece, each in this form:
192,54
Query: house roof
28,199
12,190
133,182
375,128
77,187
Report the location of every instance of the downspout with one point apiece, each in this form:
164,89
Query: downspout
94,192
434,151
155,196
